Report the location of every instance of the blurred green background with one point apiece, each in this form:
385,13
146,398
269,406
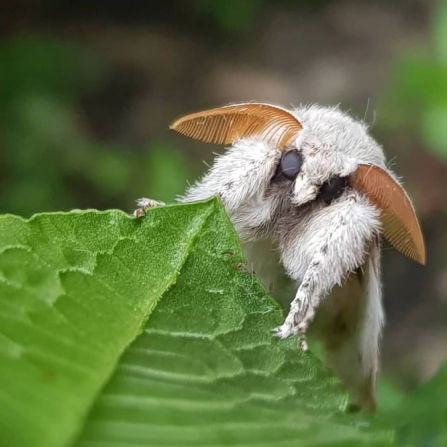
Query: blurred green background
88,89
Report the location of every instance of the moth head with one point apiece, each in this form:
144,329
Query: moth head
304,165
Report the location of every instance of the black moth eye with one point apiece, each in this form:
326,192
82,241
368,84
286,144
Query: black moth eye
333,188
291,163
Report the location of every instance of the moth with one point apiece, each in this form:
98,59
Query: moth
309,189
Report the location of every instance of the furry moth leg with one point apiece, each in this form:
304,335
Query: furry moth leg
144,204
336,250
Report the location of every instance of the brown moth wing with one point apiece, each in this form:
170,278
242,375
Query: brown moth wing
400,224
226,124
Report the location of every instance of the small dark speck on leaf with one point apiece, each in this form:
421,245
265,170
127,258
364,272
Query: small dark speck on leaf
243,268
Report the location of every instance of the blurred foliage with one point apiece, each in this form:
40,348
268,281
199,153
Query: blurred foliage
230,15
236,15
417,96
48,159
421,419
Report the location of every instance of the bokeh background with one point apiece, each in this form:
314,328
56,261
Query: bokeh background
88,89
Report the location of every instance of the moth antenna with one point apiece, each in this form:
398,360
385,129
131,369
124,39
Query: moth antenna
400,224
224,125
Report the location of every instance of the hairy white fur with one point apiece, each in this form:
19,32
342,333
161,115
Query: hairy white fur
319,245
322,250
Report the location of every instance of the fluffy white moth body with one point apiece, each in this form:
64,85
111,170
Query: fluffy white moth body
307,189
321,246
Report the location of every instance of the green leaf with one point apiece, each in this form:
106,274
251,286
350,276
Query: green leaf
421,420
76,291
